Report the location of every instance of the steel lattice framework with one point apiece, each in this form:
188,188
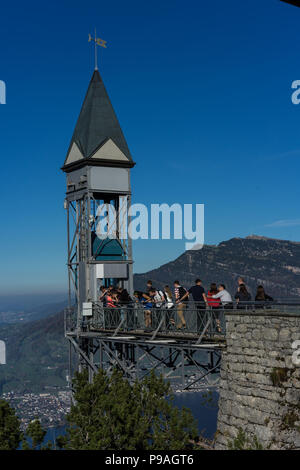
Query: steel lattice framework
190,359
110,338
82,227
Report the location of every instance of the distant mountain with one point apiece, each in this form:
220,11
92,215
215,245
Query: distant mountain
36,356
259,260
29,302
32,313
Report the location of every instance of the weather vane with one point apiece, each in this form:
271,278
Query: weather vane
97,42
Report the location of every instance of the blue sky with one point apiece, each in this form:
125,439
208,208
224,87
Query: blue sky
203,94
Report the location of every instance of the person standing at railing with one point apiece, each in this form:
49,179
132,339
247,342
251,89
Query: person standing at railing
169,306
145,301
124,297
242,281
242,295
214,305
213,290
224,296
126,312
112,299
103,294
111,311
149,286
179,293
158,299
261,296
198,294
168,297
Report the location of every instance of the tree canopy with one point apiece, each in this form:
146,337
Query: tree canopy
36,434
112,414
10,432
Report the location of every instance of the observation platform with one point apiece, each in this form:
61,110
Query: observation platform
188,357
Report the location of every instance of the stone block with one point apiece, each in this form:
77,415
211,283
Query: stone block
270,334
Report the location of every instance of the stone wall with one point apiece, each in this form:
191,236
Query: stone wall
260,380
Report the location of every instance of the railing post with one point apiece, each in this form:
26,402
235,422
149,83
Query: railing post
182,368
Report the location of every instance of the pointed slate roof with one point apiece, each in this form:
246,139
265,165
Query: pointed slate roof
98,137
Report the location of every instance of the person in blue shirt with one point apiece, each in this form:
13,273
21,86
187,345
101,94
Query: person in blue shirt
147,304
198,294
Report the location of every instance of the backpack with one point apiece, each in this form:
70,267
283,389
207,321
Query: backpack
182,292
161,296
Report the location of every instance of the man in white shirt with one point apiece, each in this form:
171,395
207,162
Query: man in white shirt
224,296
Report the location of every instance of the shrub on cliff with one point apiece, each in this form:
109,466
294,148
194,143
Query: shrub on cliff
243,442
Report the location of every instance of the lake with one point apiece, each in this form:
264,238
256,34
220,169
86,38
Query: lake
204,409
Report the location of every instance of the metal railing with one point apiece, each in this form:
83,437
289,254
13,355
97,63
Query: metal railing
157,320
134,318
192,319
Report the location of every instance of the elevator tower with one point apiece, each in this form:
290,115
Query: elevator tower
98,197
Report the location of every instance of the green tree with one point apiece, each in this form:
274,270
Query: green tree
111,414
10,431
36,434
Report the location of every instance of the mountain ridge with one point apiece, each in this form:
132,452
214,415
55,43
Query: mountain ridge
272,262
37,355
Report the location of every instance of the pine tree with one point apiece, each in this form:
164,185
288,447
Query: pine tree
36,434
111,414
10,431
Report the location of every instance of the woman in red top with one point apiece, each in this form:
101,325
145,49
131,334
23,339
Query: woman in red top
214,303
113,314
111,299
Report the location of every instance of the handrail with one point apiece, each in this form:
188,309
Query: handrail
195,320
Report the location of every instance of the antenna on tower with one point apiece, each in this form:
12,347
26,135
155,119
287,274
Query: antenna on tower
97,42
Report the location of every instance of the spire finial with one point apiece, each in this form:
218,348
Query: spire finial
97,42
